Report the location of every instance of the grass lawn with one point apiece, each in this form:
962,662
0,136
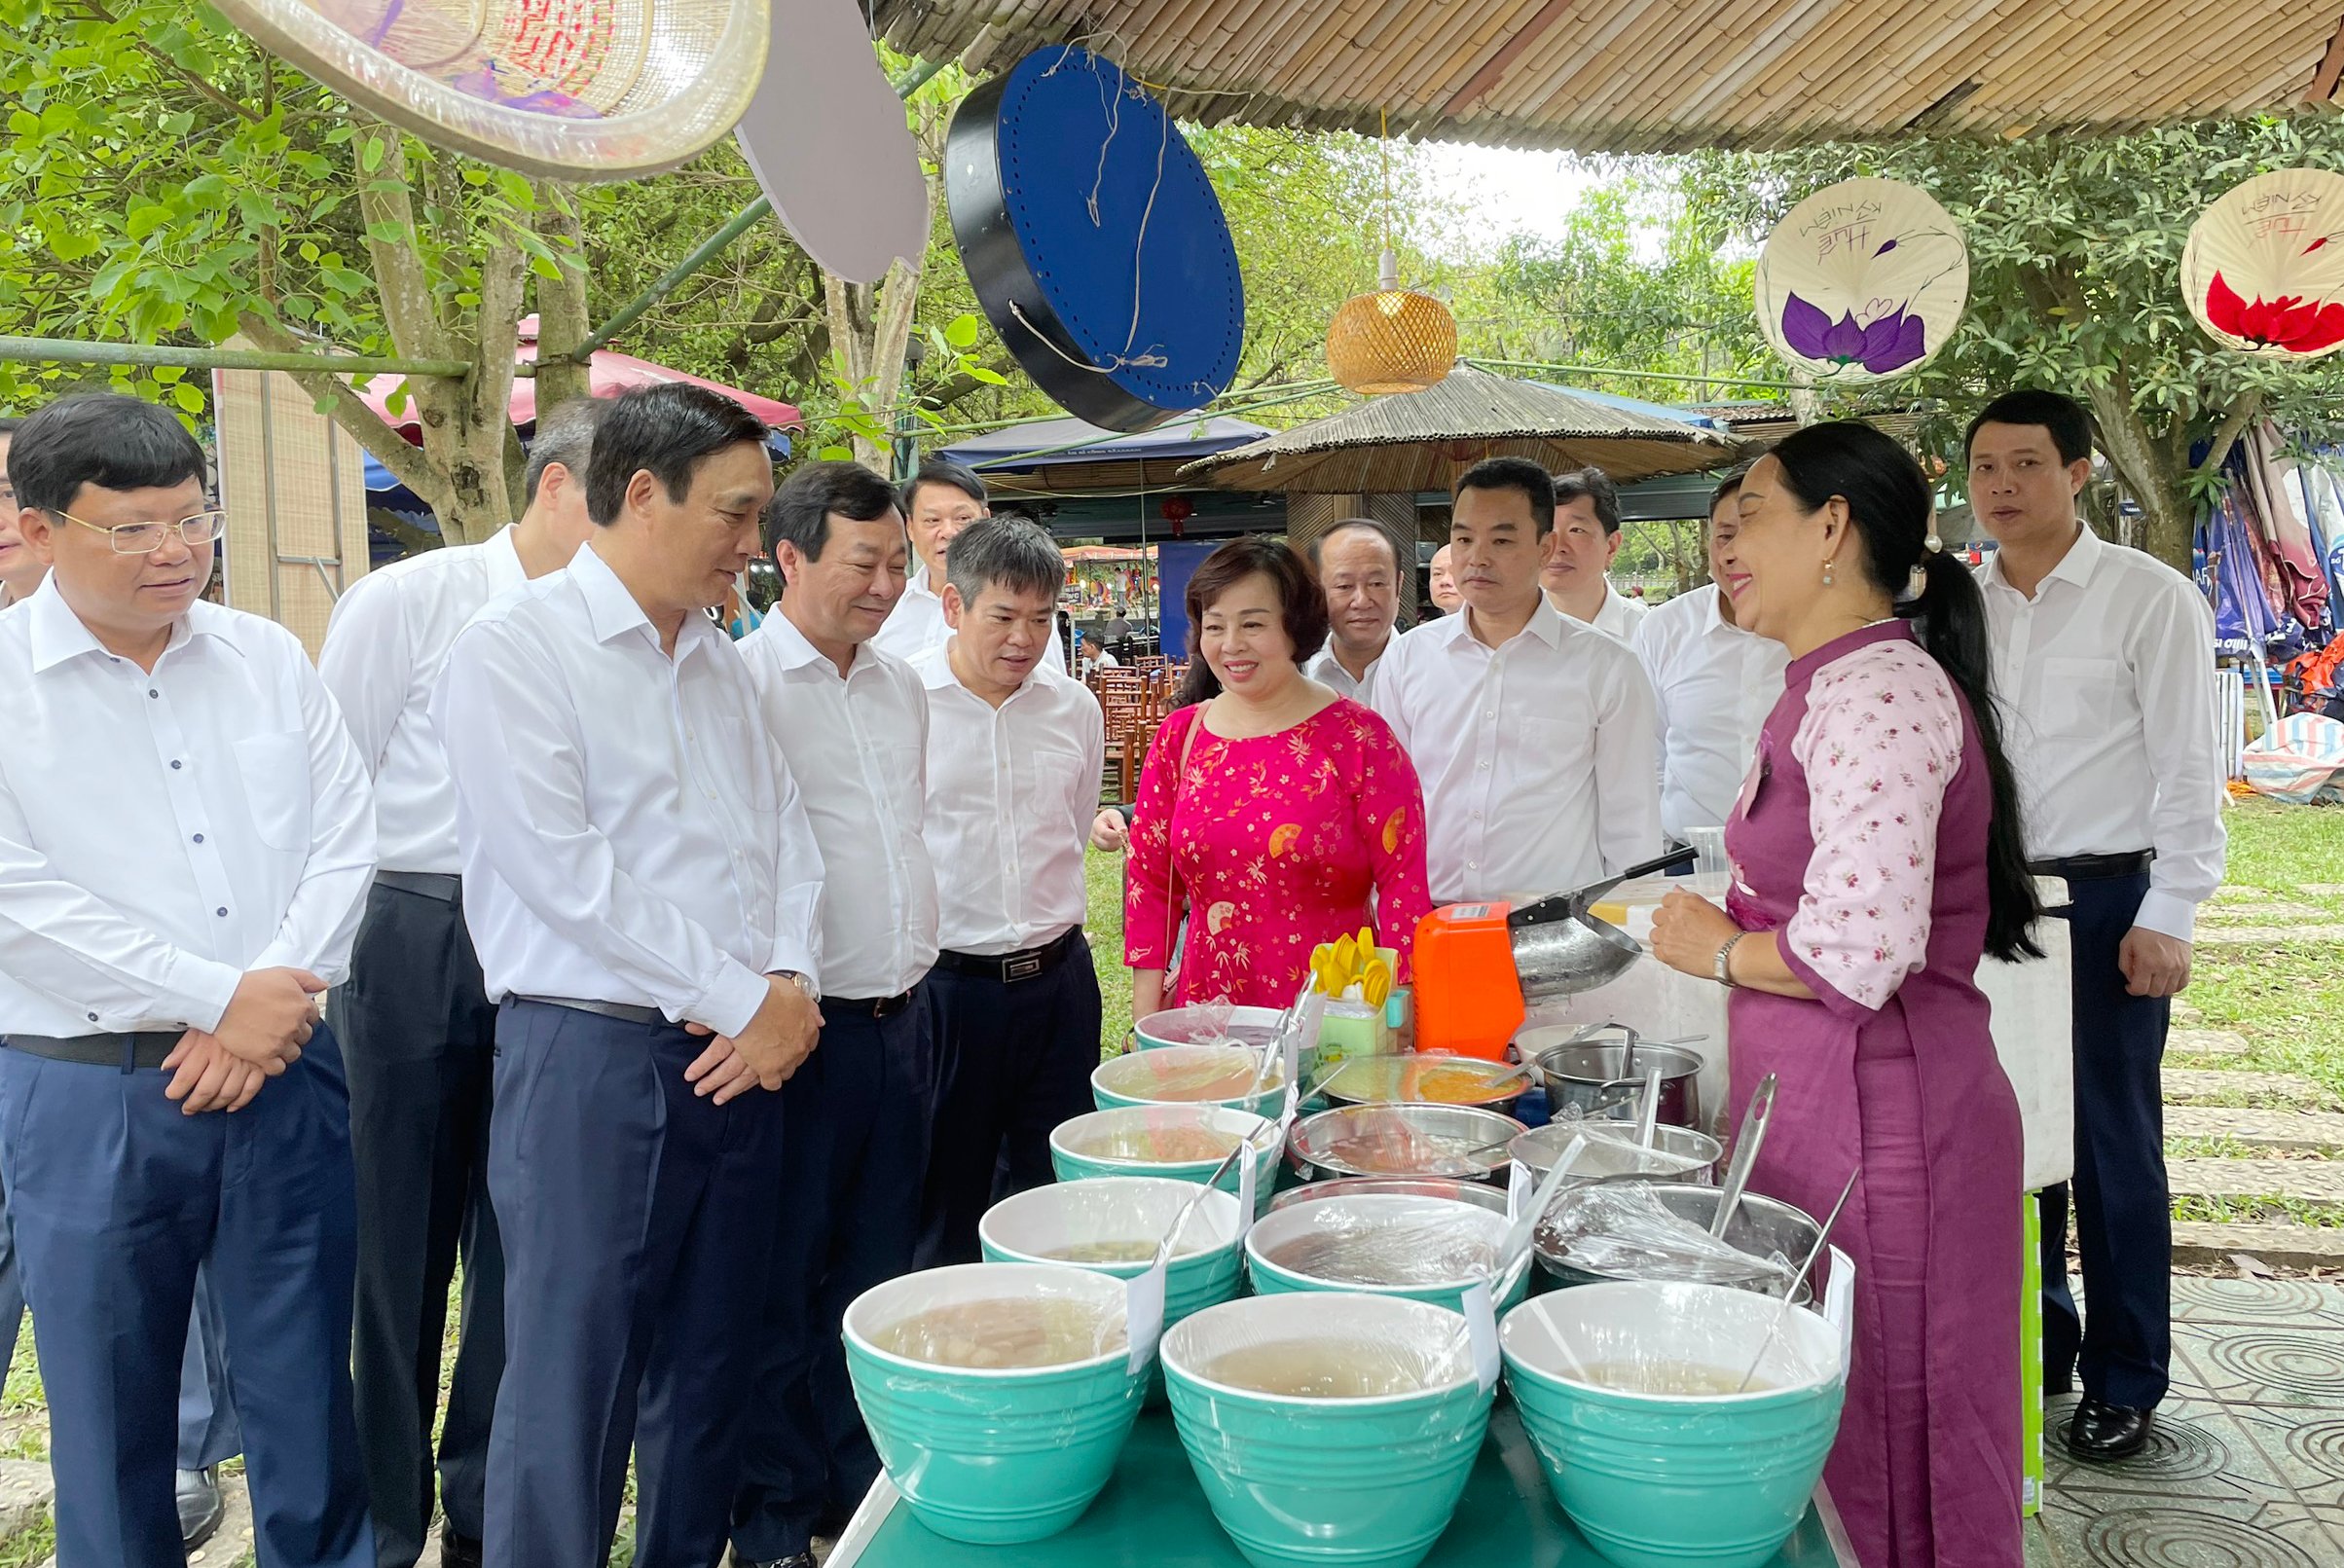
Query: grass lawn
1104,876
2285,998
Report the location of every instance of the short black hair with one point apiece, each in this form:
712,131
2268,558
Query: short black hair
105,438
800,509
1731,485
565,436
2070,426
1597,486
669,429
942,471
1008,552
1516,473
8,423
1352,525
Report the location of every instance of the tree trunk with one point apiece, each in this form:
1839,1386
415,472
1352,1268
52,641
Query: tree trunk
562,322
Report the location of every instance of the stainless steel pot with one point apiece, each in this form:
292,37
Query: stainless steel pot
1761,1227
1604,1078
1678,1154
1408,1137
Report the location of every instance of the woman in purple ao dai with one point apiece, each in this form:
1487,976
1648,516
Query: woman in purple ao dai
1876,856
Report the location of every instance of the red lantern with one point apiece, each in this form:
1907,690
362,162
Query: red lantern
1177,510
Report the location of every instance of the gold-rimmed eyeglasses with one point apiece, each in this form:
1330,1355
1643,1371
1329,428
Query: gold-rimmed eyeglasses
145,538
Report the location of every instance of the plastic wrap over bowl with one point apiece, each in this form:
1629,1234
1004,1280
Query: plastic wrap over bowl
1191,1075
1422,1249
1184,1143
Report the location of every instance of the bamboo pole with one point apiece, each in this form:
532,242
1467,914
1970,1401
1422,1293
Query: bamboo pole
73,351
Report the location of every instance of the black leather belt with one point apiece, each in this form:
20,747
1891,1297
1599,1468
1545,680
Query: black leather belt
2095,867
866,1007
444,886
1010,968
625,1013
146,1047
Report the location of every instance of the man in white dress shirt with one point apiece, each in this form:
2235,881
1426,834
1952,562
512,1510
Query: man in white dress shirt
417,1028
1358,565
186,835
937,501
2104,660
646,896
1533,733
1014,755
208,1427
1586,541
1715,682
854,723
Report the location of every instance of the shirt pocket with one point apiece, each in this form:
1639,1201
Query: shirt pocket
1050,783
276,770
739,775
2084,697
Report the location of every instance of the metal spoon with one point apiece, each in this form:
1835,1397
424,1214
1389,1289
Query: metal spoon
1649,1125
1774,1326
1746,1153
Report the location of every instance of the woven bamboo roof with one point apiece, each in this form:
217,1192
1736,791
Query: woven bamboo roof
1673,75
1420,441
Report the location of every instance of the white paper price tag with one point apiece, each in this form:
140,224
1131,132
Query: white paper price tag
1517,1190
1247,1183
1144,1315
1480,1334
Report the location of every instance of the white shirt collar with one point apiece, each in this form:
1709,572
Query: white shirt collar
1546,624
56,633
795,652
2076,567
503,557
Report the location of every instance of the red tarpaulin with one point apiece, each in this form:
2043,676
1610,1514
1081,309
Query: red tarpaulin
609,374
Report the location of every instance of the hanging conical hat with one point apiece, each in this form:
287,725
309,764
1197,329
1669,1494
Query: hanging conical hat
855,212
1864,280
2263,270
579,89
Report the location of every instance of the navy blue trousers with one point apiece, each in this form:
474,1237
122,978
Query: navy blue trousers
845,1215
118,1196
637,1218
1013,1062
2121,1342
420,1039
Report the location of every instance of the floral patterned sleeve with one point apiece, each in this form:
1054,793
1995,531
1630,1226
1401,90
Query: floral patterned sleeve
1391,820
1880,741
1147,913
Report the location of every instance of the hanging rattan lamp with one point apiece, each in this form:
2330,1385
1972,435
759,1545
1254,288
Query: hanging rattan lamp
1395,339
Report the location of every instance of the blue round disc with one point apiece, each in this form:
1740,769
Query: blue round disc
1120,294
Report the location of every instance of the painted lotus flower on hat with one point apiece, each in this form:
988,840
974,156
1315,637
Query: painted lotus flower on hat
2290,322
1883,346
1864,280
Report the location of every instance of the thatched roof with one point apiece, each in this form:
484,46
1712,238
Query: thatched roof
1418,441
1673,75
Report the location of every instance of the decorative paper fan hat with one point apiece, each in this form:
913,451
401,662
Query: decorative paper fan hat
2263,270
579,89
1864,280
1094,241
824,88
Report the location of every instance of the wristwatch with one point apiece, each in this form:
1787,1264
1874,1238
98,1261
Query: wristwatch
805,983
1724,969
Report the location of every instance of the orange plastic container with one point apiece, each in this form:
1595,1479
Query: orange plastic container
1468,996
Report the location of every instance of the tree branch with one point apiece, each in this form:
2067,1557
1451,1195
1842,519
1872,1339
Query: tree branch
235,106
2243,412
562,323
351,412
408,309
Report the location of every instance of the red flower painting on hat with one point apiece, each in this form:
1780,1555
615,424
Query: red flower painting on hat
2290,322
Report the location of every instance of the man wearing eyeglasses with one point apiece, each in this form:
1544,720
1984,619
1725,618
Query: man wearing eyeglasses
186,833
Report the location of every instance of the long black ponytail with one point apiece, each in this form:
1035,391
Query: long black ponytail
1888,501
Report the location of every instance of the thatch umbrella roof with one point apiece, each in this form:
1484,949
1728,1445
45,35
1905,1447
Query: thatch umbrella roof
1420,441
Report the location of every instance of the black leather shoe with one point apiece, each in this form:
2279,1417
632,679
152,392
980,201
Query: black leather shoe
457,1551
2102,1431
201,1507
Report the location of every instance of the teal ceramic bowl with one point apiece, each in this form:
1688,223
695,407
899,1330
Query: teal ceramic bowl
1662,1480
1189,1074
1184,1026
1126,1142
1301,1482
1397,1228
1080,1223
995,1457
